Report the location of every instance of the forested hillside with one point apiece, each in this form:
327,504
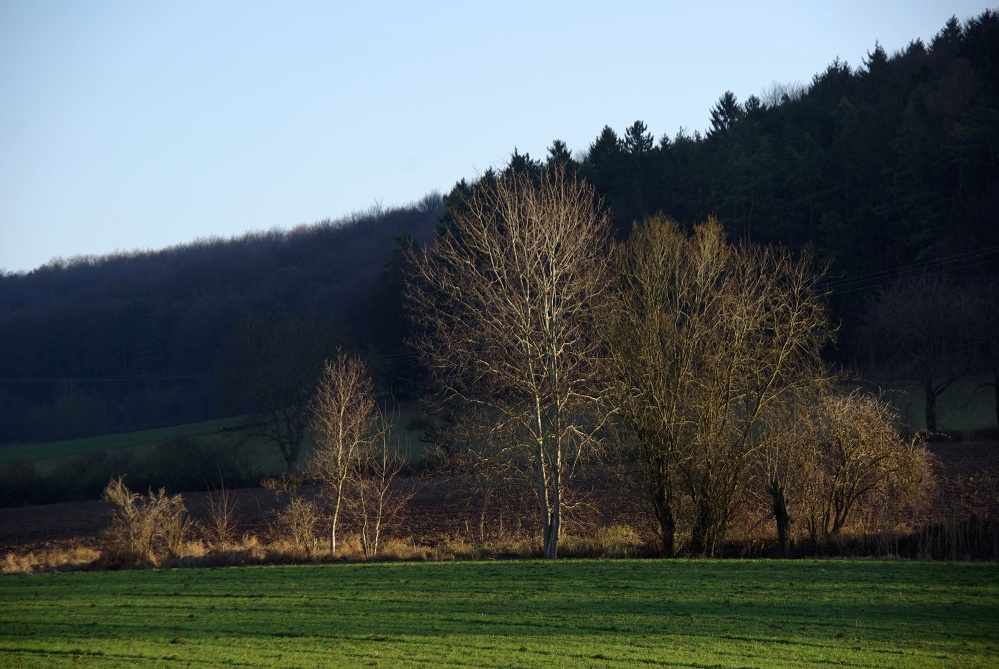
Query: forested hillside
882,170
875,167
135,340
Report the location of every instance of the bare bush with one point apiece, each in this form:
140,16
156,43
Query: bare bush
143,529
854,462
221,526
299,518
377,501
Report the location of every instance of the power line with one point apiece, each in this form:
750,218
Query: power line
113,379
967,260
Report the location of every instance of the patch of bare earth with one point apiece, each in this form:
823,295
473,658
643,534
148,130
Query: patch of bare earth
968,478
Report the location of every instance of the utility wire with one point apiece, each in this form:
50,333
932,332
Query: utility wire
967,260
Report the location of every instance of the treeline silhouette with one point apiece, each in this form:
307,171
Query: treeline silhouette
880,170
136,340
873,168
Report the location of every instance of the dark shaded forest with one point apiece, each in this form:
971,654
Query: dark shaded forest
882,172
138,340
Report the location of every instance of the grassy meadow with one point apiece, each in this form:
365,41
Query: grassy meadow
181,458
509,614
264,456
967,405
47,455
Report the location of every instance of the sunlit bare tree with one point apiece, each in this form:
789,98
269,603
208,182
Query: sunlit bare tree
508,300
852,453
345,421
709,339
377,500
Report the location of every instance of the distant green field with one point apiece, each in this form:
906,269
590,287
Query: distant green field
510,614
57,450
967,405
265,457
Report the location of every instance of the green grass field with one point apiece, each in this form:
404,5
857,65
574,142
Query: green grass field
51,452
966,405
264,457
510,614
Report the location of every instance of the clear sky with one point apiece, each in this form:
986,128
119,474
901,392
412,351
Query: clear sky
138,125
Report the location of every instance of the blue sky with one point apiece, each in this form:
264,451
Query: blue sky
141,125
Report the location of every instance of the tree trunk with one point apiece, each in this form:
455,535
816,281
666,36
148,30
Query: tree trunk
782,517
291,466
555,500
931,406
667,528
551,534
662,502
995,394
333,523
549,507
701,539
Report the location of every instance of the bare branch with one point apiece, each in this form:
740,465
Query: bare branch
509,301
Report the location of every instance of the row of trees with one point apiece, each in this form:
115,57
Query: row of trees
874,169
873,166
691,362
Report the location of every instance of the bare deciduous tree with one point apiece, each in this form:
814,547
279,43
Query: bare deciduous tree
377,500
508,299
710,338
921,329
356,459
987,316
851,453
274,364
345,420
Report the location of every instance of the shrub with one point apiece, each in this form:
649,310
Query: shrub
20,483
186,464
220,528
298,520
143,530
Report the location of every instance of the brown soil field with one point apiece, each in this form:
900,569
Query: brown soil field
968,475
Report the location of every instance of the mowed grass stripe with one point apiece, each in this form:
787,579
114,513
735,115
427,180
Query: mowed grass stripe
509,614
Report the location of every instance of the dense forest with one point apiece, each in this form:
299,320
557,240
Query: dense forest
137,340
881,172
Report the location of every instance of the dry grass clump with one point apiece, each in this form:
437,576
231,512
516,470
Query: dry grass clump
246,551
449,548
56,558
403,550
612,541
144,530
